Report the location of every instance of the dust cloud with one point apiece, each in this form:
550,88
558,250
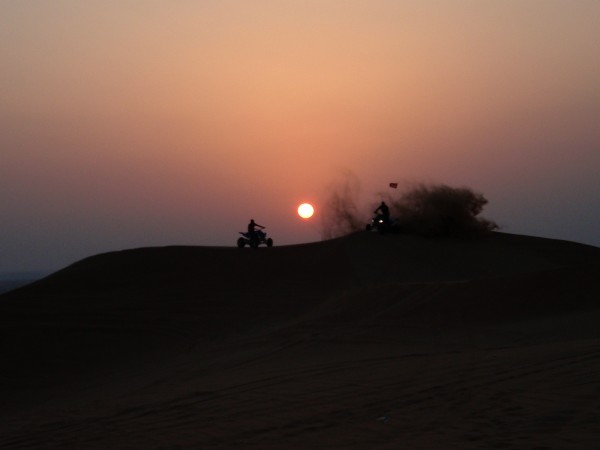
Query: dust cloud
440,210
340,215
422,209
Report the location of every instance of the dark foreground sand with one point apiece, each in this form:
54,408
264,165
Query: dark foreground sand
365,342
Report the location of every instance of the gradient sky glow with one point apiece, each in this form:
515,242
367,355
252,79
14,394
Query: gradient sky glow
143,123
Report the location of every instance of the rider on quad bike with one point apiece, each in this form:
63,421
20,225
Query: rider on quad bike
381,222
254,237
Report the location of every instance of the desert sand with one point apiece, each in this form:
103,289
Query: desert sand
364,342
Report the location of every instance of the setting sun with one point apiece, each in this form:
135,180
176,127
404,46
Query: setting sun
306,210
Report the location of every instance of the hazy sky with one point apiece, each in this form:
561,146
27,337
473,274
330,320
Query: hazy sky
138,123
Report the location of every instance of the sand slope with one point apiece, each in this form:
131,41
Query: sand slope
367,341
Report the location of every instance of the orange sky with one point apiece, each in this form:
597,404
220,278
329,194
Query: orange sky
153,123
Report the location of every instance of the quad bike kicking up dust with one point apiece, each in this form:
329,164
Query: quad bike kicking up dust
254,239
381,222
383,225
378,224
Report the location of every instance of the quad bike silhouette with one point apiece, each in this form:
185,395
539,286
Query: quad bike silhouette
254,239
381,225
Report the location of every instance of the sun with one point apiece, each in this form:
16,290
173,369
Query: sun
306,210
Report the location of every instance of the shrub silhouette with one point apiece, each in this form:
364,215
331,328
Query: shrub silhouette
440,210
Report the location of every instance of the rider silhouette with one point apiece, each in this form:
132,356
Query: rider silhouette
251,229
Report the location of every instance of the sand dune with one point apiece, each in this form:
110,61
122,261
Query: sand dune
366,341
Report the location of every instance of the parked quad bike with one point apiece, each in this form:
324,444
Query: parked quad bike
260,237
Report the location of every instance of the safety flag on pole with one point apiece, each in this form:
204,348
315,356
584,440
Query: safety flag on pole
394,185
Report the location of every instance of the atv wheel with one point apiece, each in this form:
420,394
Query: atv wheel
241,242
269,242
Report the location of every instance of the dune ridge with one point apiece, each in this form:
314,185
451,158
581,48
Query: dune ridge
365,341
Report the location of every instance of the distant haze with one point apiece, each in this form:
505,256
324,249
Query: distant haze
128,124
